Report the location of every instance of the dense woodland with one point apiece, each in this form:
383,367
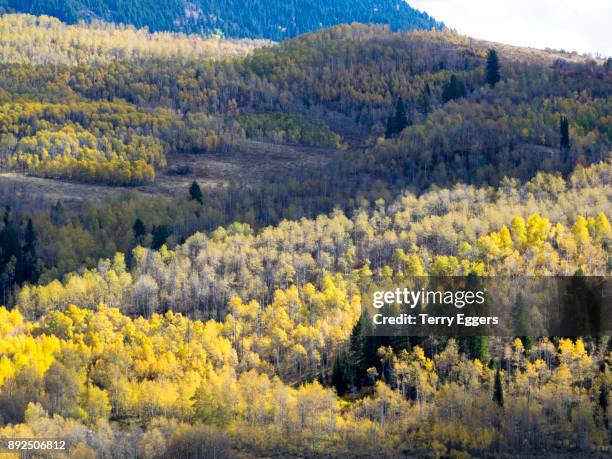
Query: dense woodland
335,87
228,319
279,310
29,39
270,19
119,121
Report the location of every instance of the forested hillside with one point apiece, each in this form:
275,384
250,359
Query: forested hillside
226,316
285,341
26,39
337,87
381,102
271,19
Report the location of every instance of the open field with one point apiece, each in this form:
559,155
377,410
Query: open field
246,162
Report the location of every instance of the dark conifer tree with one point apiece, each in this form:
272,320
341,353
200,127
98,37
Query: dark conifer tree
11,266
160,235
356,353
477,347
454,89
342,374
425,100
493,68
10,246
29,238
195,193
30,259
522,322
139,229
564,133
398,121
498,389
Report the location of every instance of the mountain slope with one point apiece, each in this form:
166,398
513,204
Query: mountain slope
272,19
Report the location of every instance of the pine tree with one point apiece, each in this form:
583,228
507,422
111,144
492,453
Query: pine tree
564,132
10,246
477,347
30,259
160,235
356,353
522,324
139,229
342,378
454,89
493,68
401,120
11,257
498,389
424,104
398,121
195,193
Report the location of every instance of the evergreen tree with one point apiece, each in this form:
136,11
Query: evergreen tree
30,259
454,89
493,68
30,238
498,389
390,131
363,352
401,119
10,246
11,260
270,19
522,323
356,353
139,229
424,104
160,235
564,132
342,374
195,193
477,347
398,121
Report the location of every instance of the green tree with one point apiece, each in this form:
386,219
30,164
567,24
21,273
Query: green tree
498,389
30,259
342,374
139,229
493,68
564,133
424,103
454,89
398,121
160,235
477,347
522,322
195,192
